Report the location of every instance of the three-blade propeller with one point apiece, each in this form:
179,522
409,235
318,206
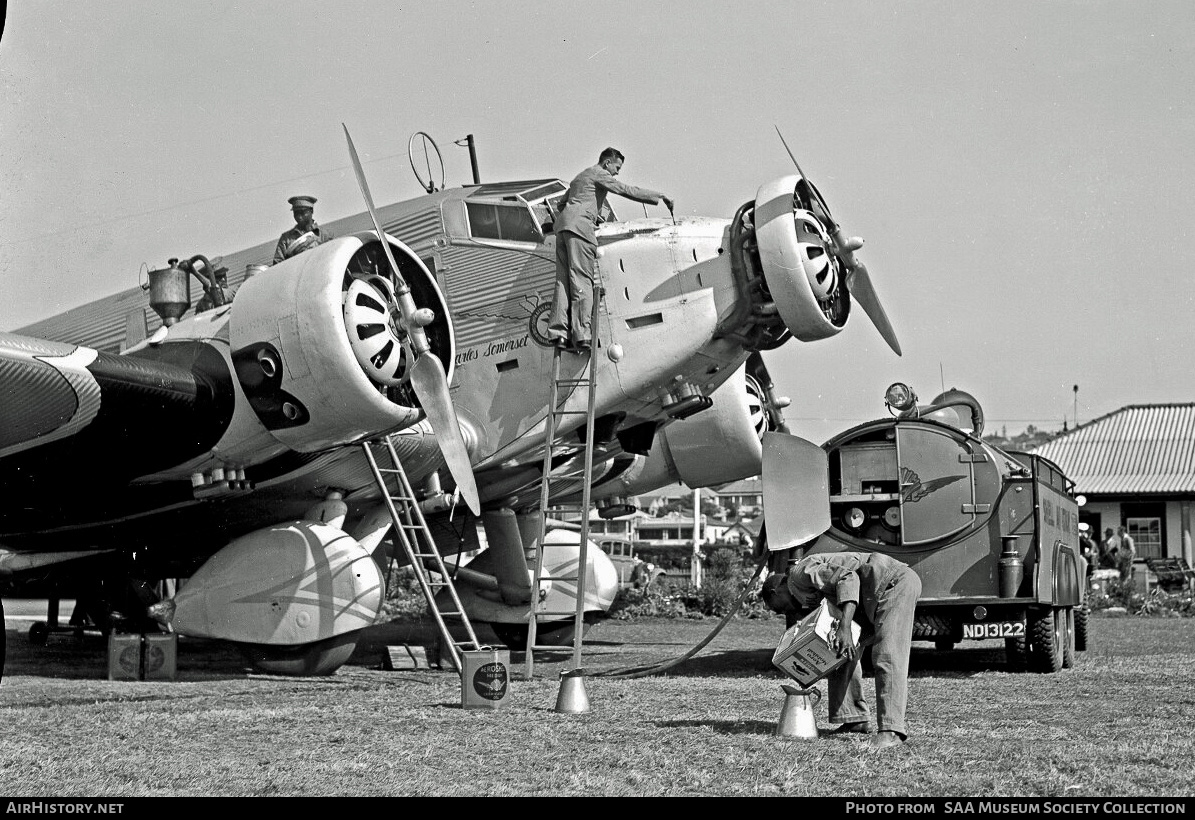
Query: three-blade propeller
858,281
427,373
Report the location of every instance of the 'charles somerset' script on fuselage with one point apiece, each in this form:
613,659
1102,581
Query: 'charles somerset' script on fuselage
492,349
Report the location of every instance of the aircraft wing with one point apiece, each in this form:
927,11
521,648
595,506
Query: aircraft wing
81,426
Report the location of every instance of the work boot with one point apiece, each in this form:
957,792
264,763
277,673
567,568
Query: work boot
885,740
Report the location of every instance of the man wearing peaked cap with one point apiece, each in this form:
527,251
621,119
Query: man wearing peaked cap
306,233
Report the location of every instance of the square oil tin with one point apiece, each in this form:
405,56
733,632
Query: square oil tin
159,656
485,678
124,656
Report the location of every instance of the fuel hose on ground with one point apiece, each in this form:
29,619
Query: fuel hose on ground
654,669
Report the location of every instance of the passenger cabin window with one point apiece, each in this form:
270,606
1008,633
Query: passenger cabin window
508,222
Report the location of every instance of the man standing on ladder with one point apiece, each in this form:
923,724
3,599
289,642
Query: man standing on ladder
576,246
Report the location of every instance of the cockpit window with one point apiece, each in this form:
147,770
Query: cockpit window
511,222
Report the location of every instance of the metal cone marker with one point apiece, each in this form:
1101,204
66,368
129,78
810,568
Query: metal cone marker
572,698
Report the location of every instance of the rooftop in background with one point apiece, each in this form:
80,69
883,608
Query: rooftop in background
1139,449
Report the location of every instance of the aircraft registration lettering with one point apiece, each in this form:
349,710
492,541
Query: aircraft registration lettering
491,349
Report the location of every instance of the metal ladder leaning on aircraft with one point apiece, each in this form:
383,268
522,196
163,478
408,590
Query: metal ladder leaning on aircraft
588,383
410,527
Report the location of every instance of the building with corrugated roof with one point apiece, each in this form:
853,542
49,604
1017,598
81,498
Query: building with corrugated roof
1136,468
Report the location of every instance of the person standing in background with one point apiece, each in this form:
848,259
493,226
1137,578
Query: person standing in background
1124,558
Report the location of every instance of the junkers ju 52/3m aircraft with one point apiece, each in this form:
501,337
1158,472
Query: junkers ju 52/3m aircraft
232,447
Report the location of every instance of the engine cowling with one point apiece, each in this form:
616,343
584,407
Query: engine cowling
803,275
717,445
319,348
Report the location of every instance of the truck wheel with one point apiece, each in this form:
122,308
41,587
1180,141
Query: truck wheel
1016,652
1045,628
1068,638
1081,627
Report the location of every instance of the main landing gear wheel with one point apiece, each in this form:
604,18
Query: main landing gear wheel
306,660
552,633
1046,628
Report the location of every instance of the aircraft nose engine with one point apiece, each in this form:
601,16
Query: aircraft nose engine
802,274
378,340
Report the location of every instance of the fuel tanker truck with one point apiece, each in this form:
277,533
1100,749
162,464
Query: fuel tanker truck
992,534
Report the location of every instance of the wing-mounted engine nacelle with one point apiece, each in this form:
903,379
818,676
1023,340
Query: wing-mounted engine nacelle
320,348
713,447
295,595
793,275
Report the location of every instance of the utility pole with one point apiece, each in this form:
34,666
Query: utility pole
1076,405
695,559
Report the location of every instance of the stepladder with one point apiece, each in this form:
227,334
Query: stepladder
569,397
413,536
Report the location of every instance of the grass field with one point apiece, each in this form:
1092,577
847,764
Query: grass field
1121,724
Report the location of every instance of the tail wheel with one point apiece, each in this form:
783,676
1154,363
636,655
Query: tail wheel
1081,614
1046,630
1068,637
39,633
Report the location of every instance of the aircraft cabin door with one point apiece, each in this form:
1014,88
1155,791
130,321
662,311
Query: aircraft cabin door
937,484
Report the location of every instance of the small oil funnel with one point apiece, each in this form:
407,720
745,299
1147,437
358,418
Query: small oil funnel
796,716
572,698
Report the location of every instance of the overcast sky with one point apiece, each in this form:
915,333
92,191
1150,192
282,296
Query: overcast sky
1021,171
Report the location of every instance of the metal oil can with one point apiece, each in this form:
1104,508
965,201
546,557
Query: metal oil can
1012,568
485,678
159,656
124,656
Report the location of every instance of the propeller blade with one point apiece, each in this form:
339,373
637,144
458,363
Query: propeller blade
431,386
858,282
831,225
373,214
796,490
427,374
